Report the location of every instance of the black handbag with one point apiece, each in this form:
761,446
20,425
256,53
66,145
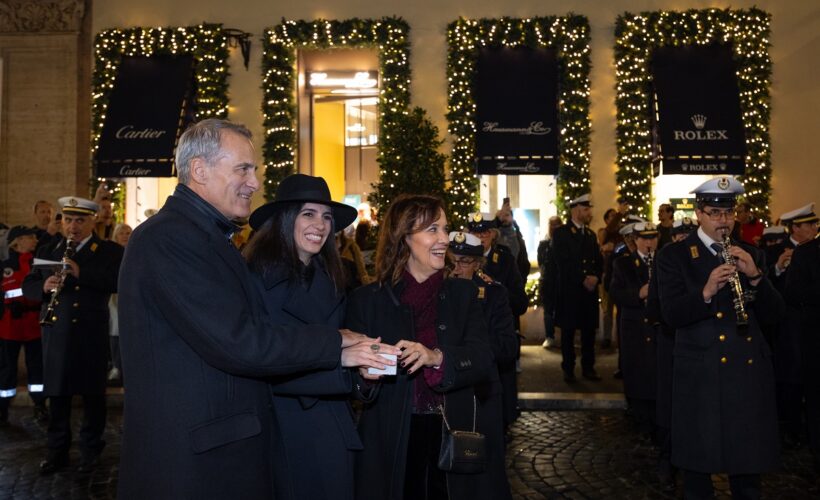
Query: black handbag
462,452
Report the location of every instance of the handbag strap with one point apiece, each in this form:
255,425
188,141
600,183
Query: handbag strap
444,413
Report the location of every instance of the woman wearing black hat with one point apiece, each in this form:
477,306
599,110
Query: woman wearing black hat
294,254
439,325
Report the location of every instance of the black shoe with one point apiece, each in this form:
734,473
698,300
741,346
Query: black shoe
41,414
591,375
52,464
618,375
88,464
569,377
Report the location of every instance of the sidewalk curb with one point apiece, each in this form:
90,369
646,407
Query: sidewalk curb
541,401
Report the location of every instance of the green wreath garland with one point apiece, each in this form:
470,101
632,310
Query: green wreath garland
389,35
209,47
636,35
569,36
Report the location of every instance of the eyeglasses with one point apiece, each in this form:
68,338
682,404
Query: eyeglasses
716,214
464,261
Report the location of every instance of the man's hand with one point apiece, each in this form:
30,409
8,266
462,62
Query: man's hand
51,283
717,280
74,268
785,259
745,263
644,291
590,282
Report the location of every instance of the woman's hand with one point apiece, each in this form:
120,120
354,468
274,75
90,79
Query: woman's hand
365,354
415,355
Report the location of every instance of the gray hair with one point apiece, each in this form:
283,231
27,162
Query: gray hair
202,140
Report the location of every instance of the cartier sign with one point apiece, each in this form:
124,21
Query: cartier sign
516,96
149,107
697,126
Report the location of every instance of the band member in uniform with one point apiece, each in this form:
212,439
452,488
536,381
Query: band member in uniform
500,266
75,330
20,325
468,257
575,261
802,293
723,417
772,236
630,289
802,228
665,341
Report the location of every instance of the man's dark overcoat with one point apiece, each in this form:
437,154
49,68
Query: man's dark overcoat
573,256
637,334
385,424
724,417
502,268
786,332
665,343
313,425
193,333
75,348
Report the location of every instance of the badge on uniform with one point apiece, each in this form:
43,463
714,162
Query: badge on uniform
573,230
481,292
694,251
93,247
495,258
637,263
7,272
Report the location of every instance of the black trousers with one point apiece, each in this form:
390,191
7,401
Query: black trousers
9,352
568,349
91,430
813,420
423,480
698,486
790,407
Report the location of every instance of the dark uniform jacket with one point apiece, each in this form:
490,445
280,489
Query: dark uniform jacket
573,256
785,333
313,424
802,293
724,417
665,343
194,333
75,348
637,333
385,424
501,267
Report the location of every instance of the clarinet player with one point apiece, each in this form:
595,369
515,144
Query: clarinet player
75,331
723,403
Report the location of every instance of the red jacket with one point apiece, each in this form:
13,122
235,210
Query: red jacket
21,316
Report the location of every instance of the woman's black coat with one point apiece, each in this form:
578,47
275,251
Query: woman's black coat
385,424
313,425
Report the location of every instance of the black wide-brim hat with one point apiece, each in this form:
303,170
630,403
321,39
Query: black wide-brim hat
301,188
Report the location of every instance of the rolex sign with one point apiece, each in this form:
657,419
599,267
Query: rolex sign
148,109
697,126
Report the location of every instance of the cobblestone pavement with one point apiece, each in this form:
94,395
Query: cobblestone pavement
571,454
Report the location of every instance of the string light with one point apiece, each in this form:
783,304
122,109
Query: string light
388,35
636,36
207,44
569,36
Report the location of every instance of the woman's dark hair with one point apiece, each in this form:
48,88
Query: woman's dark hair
607,213
273,244
408,214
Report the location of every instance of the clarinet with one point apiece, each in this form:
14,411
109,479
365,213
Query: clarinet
49,318
738,297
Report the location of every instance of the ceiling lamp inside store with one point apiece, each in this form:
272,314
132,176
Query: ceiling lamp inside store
359,82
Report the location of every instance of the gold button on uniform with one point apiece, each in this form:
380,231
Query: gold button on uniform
74,320
719,315
724,360
77,288
76,304
750,361
749,338
649,339
722,338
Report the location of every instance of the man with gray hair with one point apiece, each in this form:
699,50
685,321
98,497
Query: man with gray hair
196,341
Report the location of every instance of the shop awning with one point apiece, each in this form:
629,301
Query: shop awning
516,95
697,127
148,110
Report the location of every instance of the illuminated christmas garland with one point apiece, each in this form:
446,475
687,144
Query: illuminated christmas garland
569,36
636,36
388,35
207,44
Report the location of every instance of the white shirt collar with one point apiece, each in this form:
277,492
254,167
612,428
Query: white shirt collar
707,240
82,243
